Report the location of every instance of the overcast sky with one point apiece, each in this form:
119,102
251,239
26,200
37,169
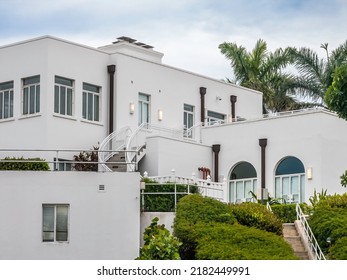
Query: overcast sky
188,32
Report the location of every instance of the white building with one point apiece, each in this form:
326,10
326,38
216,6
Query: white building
57,96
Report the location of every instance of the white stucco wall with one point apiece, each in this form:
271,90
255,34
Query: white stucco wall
102,225
316,138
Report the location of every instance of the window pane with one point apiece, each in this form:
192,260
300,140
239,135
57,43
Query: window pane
25,100
32,100
90,106
239,191
62,223
69,102
62,100
290,165
231,192
278,189
248,189
84,105
56,99
285,185
37,98
188,108
11,103
48,223
96,108
1,105
63,81
302,188
31,80
6,104
91,88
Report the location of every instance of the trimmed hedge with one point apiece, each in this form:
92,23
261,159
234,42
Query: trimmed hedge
287,212
21,163
224,242
256,215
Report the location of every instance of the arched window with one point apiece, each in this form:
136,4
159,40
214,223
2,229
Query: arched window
242,181
290,180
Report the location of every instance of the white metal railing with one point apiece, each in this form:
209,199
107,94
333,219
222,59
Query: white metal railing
312,242
207,188
193,133
112,144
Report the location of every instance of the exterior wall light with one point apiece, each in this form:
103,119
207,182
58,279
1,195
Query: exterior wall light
131,108
309,173
160,115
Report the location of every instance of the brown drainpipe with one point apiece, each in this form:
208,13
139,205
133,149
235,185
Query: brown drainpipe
202,99
233,99
263,144
111,69
216,150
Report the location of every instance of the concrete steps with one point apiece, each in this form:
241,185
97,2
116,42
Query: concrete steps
291,235
117,162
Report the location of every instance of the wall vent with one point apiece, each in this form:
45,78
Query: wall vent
101,188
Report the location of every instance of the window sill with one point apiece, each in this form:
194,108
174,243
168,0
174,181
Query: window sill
7,120
29,116
55,243
92,122
67,117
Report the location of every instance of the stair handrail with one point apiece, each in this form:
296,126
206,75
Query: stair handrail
313,244
192,134
112,144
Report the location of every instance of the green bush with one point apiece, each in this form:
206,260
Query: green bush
256,215
236,242
338,251
333,201
287,212
193,210
32,164
164,202
159,243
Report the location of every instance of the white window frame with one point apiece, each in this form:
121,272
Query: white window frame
215,118
188,114
6,108
55,219
291,196
93,91
31,93
142,118
66,85
232,197
62,164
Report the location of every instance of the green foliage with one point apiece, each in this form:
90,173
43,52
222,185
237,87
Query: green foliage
21,163
193,210
344,179
256,215
287,212
339,250
159,243
224,242
164,202
333,201
317,197
83,159
336,95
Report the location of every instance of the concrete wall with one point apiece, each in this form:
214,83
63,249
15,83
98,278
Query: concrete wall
102,225
316,138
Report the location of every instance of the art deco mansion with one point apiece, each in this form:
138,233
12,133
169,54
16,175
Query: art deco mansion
58,96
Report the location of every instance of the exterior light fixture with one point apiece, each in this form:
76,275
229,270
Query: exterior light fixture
160,115
131,108
309,173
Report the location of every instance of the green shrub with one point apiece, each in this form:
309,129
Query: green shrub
287,212
333,201
256,215
193,210
164,202
338,251
159,243
83,158
33,164
236,242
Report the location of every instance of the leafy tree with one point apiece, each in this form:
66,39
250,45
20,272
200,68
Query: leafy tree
84,160
336,95
316,74
263,71
159,244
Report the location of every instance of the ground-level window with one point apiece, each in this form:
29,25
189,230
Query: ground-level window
6,100
63,96
144,104
90,102
31,95
62,164
215,118
242,183
55,222
290,180
188,120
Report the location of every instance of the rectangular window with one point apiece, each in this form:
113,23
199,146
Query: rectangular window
62,164
188,120
215,118
63,96
31,95
55,222
143,108
90,102
6,100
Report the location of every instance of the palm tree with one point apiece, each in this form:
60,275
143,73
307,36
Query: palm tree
315,74
263,71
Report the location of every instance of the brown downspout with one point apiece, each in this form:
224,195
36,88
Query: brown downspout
202,99
216,150
111,69
263,144
233,99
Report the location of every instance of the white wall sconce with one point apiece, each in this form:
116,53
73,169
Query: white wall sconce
160,115
131,108
309,173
